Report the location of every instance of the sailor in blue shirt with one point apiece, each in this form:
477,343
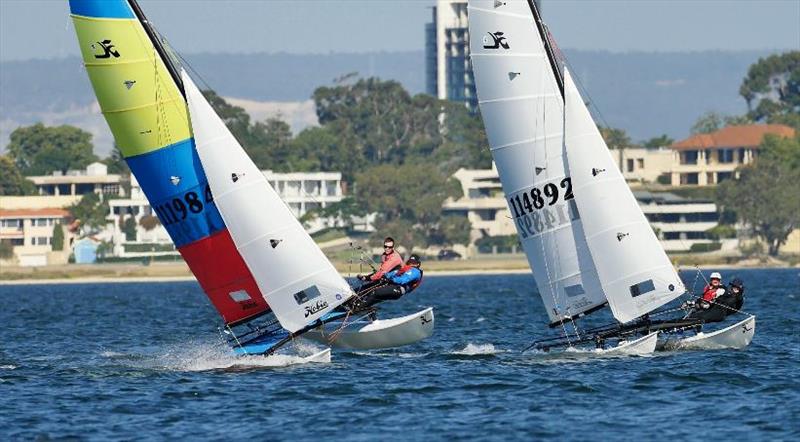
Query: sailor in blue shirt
394,284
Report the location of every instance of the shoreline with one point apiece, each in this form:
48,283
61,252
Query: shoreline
120,279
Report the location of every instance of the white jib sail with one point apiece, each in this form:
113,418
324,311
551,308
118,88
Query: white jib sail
523,112
295,277
636,274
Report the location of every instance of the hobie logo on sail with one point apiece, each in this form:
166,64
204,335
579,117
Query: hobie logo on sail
316,307
107,48
497,41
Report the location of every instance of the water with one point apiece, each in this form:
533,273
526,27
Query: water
122,361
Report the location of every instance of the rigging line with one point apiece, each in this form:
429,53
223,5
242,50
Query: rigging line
556,303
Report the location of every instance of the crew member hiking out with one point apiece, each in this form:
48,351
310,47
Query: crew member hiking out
711,290
727,303
393,285
390,260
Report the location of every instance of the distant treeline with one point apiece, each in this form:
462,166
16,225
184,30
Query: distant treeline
646,94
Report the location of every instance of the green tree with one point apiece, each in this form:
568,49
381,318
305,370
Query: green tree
345,210
236,118
11,180
410,193
772,87
451,230
270,145
708,122
40,150
128,227
660,141
90,211
116,163
616,138
765,195
381,123
58,238
323,149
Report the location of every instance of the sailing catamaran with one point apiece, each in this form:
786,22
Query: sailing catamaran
263,273
585,237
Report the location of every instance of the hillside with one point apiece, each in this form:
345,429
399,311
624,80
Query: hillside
645,93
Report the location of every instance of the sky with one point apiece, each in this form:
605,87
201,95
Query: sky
42,28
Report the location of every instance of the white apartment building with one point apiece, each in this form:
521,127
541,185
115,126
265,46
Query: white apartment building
155,242
307,191
301,191
680,222
483,204
80,182
30,232
643,164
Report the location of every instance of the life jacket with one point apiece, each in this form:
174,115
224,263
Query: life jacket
710,292
414,284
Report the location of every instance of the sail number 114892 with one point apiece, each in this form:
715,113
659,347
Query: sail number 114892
543,208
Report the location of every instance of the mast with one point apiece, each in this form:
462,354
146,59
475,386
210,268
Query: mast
548,46
151,32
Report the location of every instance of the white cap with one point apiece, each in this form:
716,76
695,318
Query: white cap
716,275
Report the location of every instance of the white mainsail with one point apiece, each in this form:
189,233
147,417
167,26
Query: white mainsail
636,274
299,283
523,112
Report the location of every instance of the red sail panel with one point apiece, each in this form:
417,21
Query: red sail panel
224,276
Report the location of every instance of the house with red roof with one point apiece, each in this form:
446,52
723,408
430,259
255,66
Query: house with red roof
30,233
709,159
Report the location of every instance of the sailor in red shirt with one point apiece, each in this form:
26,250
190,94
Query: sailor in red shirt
390,260
710,291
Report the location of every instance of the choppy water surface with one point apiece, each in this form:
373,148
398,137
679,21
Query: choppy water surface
144,361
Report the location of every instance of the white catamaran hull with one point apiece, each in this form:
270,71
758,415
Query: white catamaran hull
641,346
383,333
736,336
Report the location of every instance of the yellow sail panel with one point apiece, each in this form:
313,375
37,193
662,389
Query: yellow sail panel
142,105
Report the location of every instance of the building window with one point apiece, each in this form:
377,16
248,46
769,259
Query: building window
710,178
722,176
331,188
689,178
41,241
741,156
689,157
111,189
630,165
40,222
83,189
725,155
11,223
640,163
